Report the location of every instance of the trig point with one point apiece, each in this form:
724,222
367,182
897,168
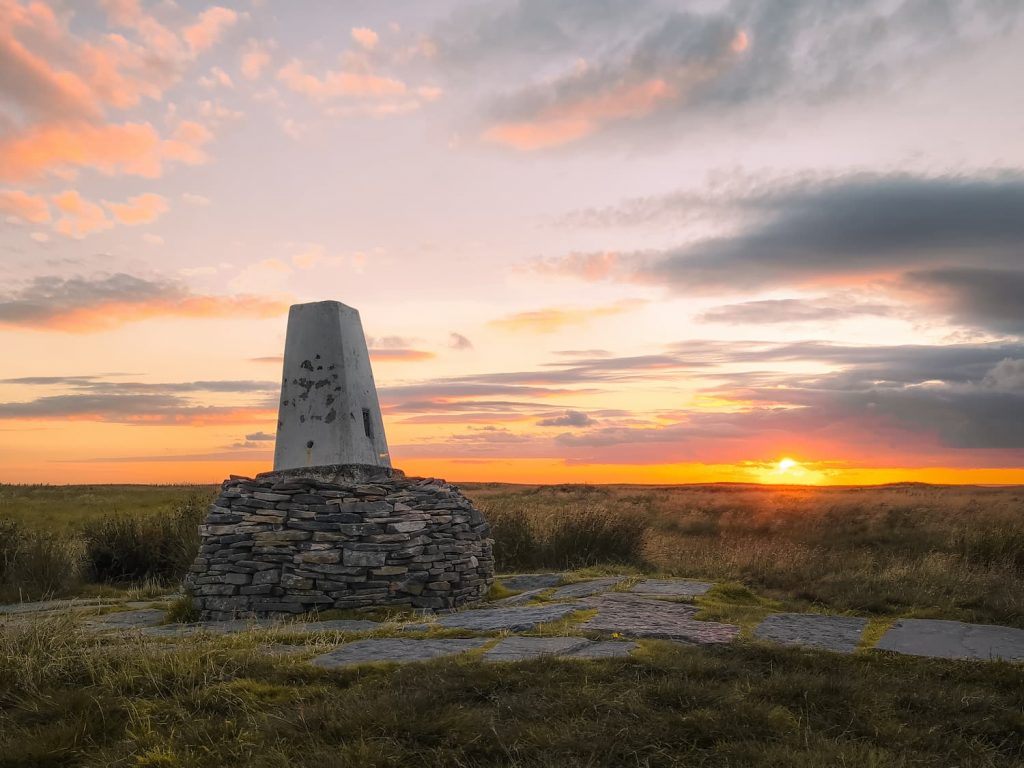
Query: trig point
334,525
329,412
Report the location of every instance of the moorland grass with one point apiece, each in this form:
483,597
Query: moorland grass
70,699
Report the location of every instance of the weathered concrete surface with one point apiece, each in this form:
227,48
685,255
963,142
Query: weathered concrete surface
953,640
832,633
394,650
530,581
520,648
511,619
672,587
586,588
636,616
329,412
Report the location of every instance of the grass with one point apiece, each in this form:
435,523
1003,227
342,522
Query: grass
69,699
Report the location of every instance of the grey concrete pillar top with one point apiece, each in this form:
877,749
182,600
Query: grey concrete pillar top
329,413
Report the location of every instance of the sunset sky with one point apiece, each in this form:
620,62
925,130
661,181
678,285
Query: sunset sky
590,240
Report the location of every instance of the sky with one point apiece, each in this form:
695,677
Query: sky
589,240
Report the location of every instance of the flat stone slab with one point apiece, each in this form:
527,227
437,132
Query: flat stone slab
55,605
520,599
586,588
672,587
511,619
524,581
832,633
394,650
520,648
953,640
145,617
635,616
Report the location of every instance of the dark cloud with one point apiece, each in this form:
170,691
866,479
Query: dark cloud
763,54
569,419
793,311
949,246
136,409
458,341
258,437
83,304
104,384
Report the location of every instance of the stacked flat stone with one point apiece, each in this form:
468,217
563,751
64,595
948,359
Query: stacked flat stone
347,536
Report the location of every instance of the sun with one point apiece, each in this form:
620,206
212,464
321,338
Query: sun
785,465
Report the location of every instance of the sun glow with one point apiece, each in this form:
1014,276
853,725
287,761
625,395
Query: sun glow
785,465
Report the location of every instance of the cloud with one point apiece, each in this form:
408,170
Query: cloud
948,244
131,148
570,419
400,355
553,319
260,437
59,84
208,29
85,304
23,206
140,209
194,199
79,217
365,37
138,410
256,58
338,83
580,69
795,311
458,341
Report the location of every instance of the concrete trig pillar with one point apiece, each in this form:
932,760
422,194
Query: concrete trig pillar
329,412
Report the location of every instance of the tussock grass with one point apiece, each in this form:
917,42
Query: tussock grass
69,699
573,535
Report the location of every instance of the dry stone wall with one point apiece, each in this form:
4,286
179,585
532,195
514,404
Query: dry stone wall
344,536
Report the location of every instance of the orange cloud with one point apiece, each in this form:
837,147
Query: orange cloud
131,148
365,36
140,209
400,355
256,58
338,83
565,123
212,23
554,319
89,304
24,206
80,217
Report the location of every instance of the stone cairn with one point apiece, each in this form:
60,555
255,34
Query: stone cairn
345,530
291,542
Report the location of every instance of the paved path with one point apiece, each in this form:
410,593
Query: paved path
604,617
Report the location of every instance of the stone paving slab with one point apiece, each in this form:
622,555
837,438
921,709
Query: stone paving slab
394,650
145,617
497,619
332,625
525,581
833,633
636,616
210,627
521,599
54,605
672,587
953,640
519,648
586,588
